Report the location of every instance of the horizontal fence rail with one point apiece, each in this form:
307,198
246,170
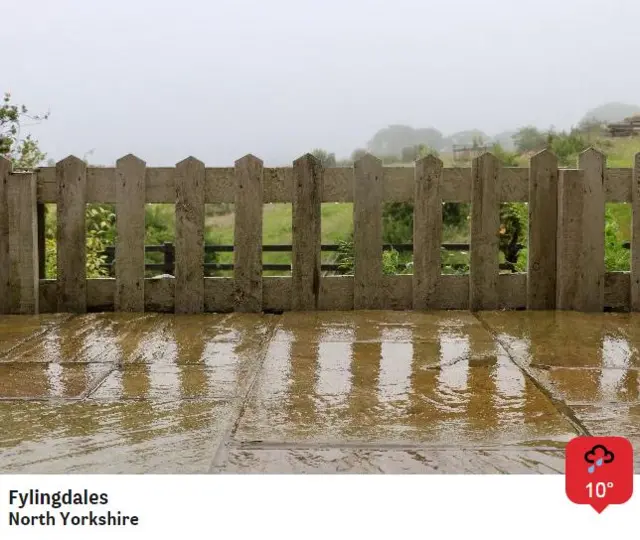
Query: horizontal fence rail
565,237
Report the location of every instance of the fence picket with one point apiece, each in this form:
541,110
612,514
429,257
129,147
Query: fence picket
189,249
635,239
543,222
23,244
367,233
130,194
427,232
307,199
5,289
485,225
71,179
248,234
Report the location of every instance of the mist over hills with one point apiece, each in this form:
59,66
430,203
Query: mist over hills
392,139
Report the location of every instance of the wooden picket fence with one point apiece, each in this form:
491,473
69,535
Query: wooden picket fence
565,254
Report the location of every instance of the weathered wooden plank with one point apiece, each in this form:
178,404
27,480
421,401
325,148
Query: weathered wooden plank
130,195
456,185
398,184
336,293
618,185
71,180
427,231
569,234
160,185
101,185
220,185
485,225
543,221
617,290
189,289
5,170
276,294
248,234
367,233
24,297
218,294
512,291
513,184
337,184
159,294
635,237
580,259
592,267
306,257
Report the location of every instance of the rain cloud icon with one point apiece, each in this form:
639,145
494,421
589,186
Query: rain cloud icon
595,461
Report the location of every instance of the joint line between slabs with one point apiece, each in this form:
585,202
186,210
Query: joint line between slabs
237,411
560,406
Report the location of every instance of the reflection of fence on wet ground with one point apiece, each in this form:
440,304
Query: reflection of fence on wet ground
565,253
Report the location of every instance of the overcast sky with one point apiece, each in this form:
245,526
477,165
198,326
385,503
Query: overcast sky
219,79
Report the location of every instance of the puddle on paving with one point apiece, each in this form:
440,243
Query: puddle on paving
40,381
568,339
167,382
125,437
426,381
15,329
150,382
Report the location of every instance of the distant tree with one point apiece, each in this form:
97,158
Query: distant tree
391,140
327,159
24,152
358,153
529,139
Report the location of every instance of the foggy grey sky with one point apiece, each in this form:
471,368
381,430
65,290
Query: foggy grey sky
222,78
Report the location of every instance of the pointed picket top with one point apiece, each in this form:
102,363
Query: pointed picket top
368,159
310,158
430,160
545,156
130,160
5,165
591,157
71,161
190,161
248,160
487,157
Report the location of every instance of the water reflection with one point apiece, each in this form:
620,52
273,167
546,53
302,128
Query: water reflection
423,381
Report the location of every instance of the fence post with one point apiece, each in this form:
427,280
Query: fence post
5,170
367,233
580,284
130,199
635,239
189,264
71,179
306,256
427,231
485,230
543,223
247,264
24,277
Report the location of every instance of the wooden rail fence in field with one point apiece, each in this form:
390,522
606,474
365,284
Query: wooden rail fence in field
565,252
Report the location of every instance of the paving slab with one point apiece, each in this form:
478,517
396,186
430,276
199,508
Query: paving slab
127,437
369,391
394,461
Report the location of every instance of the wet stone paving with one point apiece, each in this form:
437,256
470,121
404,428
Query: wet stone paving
368,391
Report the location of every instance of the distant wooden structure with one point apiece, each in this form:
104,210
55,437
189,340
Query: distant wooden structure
467,152
628,128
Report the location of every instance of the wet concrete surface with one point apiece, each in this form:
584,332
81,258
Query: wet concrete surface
397,392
